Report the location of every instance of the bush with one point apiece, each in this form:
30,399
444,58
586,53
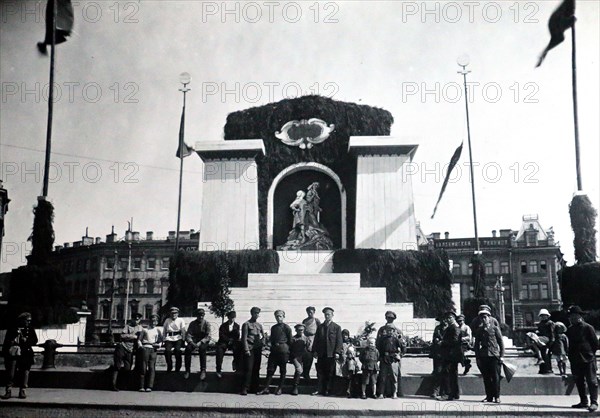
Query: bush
420,277
196,276
580,285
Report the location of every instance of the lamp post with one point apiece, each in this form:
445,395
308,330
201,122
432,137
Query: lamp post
112,298
499,287
185,79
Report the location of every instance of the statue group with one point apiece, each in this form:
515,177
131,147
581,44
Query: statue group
307,231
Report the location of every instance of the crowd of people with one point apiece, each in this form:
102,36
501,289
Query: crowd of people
372,363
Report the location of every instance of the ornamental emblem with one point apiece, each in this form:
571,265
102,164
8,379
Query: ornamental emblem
304,133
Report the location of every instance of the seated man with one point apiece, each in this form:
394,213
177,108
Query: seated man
173,334
543,338
197,337
229,339
123,357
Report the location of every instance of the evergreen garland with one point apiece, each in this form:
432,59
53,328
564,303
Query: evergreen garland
198,276
420,277
580,285
583,222
350,119
478,276
42,234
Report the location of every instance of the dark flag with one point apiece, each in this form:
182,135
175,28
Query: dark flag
451,165
64,23
187,150
561,20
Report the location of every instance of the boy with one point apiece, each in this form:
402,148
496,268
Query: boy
298,352
150,339
281,339
391,349
368,358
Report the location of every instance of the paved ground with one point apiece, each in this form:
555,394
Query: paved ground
88,403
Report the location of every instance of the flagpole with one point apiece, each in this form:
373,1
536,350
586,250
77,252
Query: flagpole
575,112
463,62
185,79
50,102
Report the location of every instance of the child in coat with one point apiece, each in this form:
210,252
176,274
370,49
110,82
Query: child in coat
350,363
560,348
369,357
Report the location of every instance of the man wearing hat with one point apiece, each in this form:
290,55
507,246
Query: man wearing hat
197,337
123,357
298,353
150,338
451,356
18,352
478,321
541,340
280,341
252,344
489,349
310,329
174,335
229,339
390,368
327,347
390,317
583,344
466,338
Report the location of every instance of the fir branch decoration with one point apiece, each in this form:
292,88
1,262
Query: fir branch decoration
583,222
42,234
221,303
574,279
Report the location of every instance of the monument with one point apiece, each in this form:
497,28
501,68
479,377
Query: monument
307,177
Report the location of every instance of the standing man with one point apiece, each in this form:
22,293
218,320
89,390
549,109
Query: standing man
390,317
252,343
466,339
436,356
174,335
280,339
229,339
150,338
390,329
451,356
583,344
17,350
197,337
489,349
123,357
391,349
310,329
327,348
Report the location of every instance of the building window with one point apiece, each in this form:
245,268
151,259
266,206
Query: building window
105,311
165,263
136,286
456,269
150,286
529,319
94,264
524,292
148,311
123,264
107,284
471,291
134,309
533,266
523,266
534,290
470,269
543,266
121,284
120,312
489,268
544,291
151,264
110,263
504,268
88,262
137,263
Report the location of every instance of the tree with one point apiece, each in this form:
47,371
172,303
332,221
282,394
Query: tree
221,303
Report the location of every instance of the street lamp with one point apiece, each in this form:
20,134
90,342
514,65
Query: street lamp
499,287
185,79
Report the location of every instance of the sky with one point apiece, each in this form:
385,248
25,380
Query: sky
118,104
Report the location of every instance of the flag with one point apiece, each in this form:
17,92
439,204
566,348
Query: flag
64,23
453,161
187,150
561,20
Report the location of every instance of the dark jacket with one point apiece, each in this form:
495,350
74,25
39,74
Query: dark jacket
451,346
227,337
583,343
328,340
280,338
546,329
198,332
369,357
436,341
489,342
25,338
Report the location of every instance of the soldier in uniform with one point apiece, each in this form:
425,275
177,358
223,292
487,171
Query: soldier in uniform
229,339
197,337
252,344
174,335
280,339
451,356
327,348
310,329
124,351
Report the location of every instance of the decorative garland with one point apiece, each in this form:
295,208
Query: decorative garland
583,222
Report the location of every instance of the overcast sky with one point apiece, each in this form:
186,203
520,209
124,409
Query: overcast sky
116,119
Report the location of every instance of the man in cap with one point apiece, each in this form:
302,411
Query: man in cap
583,344
18,352
436,355
124,351
174,335
384,332
150,339
252,344
489,349
310,329
478,320
280,341
540,340
390,317
327,347
451,356
197,337
298,353
229,339
466,338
